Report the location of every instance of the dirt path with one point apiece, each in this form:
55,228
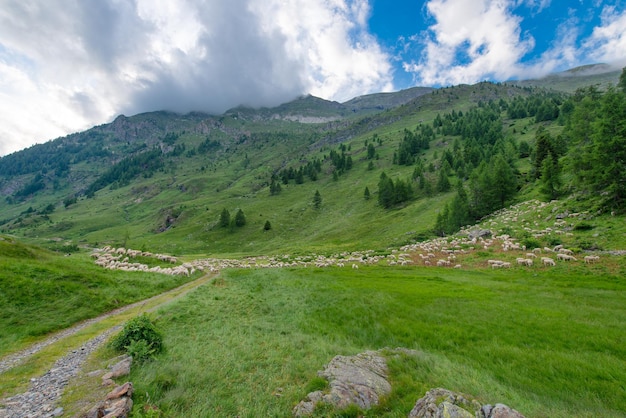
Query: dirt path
150,304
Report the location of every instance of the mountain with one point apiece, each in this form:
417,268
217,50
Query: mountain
575,78
161,180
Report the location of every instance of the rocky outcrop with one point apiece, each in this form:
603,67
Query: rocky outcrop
438,403
117,403
359,380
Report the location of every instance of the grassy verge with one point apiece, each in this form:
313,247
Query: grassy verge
17,379
42,292
548,344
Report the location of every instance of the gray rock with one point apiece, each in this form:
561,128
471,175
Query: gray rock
479,233
443,403
499,411
360,380
438,403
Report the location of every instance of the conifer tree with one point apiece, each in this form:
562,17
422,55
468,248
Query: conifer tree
550,177
366,194
225,218
240,219
317,200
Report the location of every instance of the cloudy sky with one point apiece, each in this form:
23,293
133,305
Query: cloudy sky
66,65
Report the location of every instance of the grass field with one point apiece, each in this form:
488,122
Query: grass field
549,344
43,292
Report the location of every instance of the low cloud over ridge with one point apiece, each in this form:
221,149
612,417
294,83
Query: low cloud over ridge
73,64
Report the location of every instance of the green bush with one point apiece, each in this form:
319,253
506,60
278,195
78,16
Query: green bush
531,243
583,226
139,338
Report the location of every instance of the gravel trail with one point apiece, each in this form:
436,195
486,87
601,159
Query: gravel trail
45,391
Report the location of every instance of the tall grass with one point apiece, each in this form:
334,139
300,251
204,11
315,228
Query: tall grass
250,345
42,292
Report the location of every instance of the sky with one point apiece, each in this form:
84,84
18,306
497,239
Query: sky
68,65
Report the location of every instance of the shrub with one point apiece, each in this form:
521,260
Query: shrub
531,243
583,226
139,338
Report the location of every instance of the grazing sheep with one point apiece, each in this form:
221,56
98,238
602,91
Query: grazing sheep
589,259
531,255
565,257
565,251
547,261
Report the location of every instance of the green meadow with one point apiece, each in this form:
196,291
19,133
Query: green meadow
251,342
43,291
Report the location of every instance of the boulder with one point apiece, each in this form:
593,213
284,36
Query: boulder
498,411
121,368
445,403
360,380
479,233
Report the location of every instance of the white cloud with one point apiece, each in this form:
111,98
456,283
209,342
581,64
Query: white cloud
607,43
69,64
485,32
472,41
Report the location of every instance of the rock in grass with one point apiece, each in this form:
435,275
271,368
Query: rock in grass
360,380
445,403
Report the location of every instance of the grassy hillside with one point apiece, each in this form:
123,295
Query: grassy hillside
212,163
44,291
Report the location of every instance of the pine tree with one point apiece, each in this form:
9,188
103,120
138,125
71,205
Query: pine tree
459,210
609,151
225,218
240,219
550,177
386,192
543,148
317,200
366,194
267,226
505,181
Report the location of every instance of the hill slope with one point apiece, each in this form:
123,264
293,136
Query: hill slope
161,181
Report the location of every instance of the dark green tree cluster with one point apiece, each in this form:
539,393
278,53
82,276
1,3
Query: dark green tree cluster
121,174
597,131
32,187
340,160
208,145
311,169
391,193
454,215
543,107
227,222
412,144
492,185
56,156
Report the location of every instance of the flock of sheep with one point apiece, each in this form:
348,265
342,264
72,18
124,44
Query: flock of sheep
119,259
439,252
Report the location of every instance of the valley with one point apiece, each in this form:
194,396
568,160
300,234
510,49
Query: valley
315,223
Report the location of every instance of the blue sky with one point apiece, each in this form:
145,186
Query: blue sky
67,65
